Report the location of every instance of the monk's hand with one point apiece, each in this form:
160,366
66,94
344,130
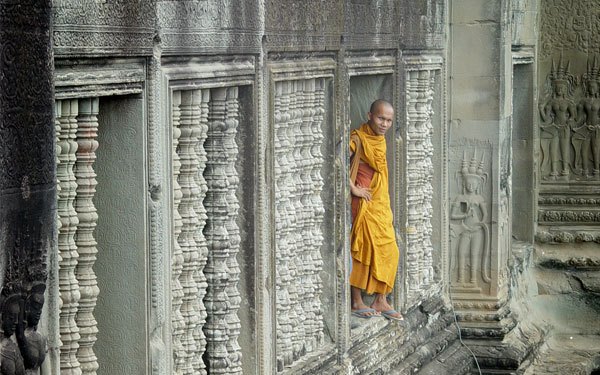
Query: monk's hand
361,192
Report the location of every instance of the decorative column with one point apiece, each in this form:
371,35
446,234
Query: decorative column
298,127
295,217
87,132
193,131
421,72
315,89
282,225
235,299
217,236
177,320
68,284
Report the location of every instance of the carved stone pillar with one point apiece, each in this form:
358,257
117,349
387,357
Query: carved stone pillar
193,132
421,72
67,111
177,321
299,215
87,132
282,225
479,177
222,270
217,237
312,155
231,149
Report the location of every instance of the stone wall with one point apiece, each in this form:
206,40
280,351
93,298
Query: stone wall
225,125
202,172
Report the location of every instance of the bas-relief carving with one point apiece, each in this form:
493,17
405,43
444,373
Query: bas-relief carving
558,116
422,24
569,25
32,344
310,15
469,228
231,25
118,26
586,136
310,24
299,107
570,124
374,18
20,310
12,360
372,24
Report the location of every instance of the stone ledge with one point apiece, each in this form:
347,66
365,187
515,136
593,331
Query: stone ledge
406,347
425,342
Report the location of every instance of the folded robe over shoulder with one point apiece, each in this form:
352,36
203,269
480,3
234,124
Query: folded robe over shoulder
373,242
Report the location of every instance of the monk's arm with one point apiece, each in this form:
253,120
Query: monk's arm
359,191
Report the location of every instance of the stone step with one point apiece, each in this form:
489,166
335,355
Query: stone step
565,354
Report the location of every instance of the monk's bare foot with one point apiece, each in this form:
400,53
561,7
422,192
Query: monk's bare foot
382,306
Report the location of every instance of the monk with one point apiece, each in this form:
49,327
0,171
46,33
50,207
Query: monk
373,244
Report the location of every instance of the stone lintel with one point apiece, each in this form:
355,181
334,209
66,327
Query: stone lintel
86,78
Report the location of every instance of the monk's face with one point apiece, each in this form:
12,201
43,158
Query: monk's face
381,119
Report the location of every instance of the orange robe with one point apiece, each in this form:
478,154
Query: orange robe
373,242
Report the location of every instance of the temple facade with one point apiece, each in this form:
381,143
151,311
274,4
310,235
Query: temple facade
174,185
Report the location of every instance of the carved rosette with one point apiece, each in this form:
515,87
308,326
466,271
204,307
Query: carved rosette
87,131
66,113
177,321
191,304
298,114
419,167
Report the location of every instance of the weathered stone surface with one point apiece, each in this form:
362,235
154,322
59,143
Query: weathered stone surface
423,24
28,191
249,178
305,25
202,26
92,28
371,25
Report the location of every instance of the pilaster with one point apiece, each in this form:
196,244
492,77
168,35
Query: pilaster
479,169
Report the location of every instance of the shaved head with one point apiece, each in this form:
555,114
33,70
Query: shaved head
378,103
380,116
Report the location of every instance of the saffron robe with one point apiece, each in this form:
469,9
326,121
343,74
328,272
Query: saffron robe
373,242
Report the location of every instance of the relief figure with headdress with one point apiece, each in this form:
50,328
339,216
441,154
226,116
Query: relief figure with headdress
586,135
469,231
559,115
